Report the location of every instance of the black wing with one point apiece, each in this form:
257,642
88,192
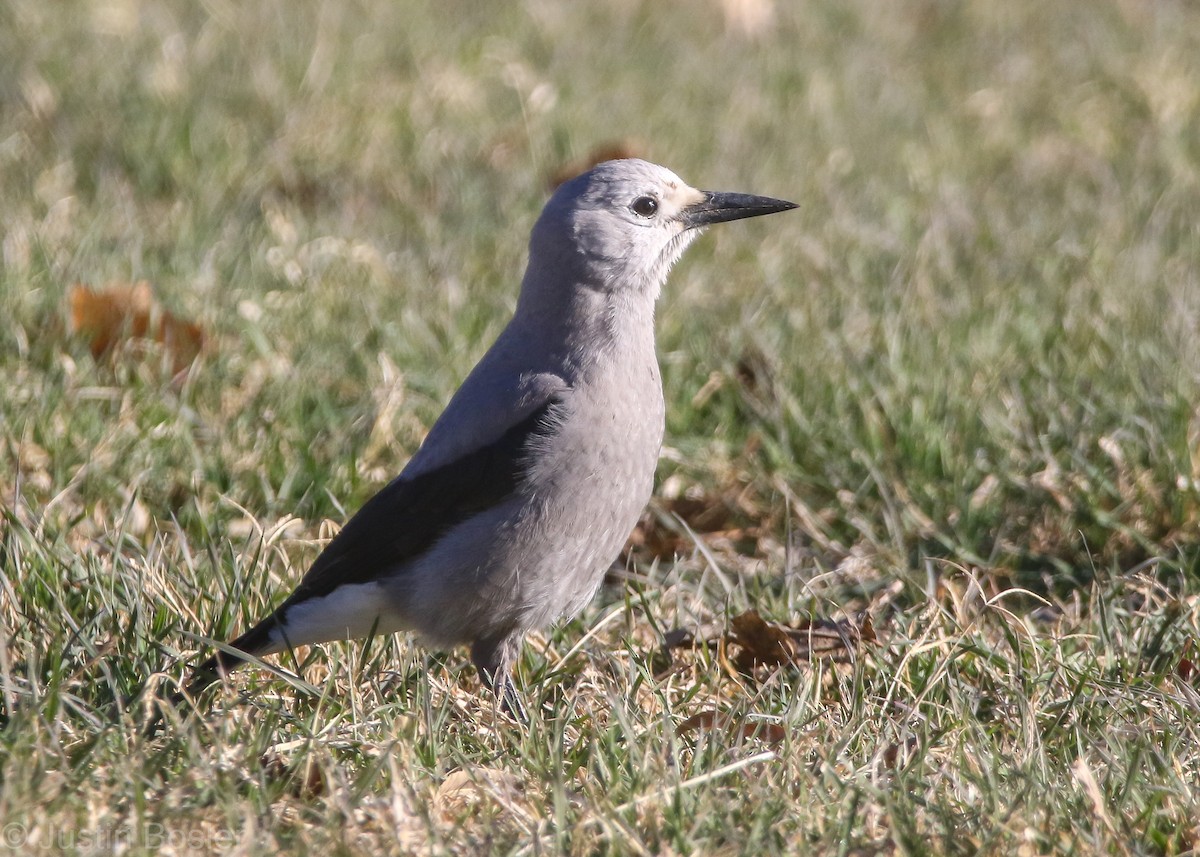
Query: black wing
411,513
399,523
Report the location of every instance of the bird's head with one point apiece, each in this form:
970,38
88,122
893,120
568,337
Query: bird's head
625,223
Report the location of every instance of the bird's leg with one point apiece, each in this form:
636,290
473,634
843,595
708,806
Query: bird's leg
494,657
510,699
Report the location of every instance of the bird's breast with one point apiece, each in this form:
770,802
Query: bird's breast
543,553
590,487
614,428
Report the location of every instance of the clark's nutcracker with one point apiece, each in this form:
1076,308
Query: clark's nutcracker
531,480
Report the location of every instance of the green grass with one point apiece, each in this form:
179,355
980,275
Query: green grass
956,389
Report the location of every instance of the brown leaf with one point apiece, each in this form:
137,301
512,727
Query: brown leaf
1186,668
652,538
762,642
705,513
128,313
611,150
713,720
753,642
770,644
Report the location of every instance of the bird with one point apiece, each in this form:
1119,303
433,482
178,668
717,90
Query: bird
528,485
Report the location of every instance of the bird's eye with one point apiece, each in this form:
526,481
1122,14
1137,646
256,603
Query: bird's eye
645,206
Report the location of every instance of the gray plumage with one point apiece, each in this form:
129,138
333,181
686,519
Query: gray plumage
530,482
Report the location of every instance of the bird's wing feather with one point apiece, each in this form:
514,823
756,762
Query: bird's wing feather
412,512
455,476
400,522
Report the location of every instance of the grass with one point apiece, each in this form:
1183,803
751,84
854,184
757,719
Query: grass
955,390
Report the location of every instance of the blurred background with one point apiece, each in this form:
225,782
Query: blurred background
250,249
976,339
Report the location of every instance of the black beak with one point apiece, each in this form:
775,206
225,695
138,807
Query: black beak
718,207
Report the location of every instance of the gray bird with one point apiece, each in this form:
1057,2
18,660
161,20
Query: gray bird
530,482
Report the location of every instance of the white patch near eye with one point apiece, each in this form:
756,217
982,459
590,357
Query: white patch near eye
679,197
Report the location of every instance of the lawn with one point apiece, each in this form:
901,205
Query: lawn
942,421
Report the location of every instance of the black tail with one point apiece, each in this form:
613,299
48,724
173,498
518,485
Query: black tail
223,662
214,669
211,671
